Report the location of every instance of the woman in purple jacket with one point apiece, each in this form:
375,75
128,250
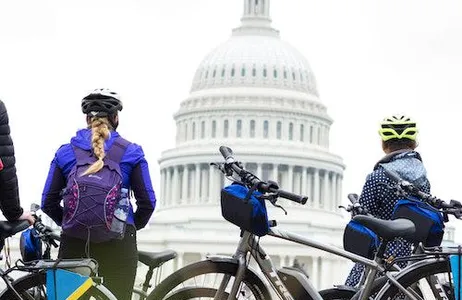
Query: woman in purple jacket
117,258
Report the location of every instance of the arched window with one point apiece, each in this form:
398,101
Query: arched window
264,72
275,73
202,129
225,128
291,131
239,128
302,133
214,129
254,71
232,72
279,130
252,128
243,71
265,129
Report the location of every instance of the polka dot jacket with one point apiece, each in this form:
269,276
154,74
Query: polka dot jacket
380,200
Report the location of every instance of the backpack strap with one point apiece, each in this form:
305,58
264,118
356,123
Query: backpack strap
82,156
117,150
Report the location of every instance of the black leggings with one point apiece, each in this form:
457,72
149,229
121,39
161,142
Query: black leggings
117,260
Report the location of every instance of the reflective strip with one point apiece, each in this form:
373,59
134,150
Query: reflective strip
81,290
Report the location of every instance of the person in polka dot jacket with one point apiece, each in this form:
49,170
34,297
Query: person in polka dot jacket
398,135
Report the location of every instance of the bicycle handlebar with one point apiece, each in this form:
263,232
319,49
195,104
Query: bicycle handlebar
250,179
453,207
46,232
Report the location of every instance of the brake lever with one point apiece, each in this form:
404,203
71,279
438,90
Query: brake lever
53,242
272,198
219,166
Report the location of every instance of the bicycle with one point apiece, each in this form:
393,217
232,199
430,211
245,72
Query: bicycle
34,284
288,283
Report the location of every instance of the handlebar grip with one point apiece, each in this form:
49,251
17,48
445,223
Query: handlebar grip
353,198
55,236
455,203
292,197
227,154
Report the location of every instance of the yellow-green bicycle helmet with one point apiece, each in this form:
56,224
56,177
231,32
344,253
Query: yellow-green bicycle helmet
398,127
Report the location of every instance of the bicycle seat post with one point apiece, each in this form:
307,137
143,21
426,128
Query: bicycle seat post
147,280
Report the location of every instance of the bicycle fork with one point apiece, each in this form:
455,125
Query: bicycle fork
241,254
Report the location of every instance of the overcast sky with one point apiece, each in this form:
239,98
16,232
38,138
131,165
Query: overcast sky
370,59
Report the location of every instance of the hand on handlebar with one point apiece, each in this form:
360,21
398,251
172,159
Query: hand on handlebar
27,216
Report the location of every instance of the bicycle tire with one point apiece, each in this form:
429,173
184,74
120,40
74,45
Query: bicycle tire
193,293
24,284
252,281
411,276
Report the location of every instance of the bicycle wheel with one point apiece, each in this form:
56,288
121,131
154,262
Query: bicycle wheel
197,276
422,278
190,293
33,286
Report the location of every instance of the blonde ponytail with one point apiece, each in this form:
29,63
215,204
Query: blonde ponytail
100,133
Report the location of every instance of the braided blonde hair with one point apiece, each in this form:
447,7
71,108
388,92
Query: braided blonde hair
100,130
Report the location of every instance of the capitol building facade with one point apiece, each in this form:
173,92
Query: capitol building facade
256,94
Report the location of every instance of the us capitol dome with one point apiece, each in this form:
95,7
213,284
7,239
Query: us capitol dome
256,94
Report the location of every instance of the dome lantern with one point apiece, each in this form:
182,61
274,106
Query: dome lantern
256,19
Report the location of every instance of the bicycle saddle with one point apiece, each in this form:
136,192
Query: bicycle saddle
8,229
155,259
387,229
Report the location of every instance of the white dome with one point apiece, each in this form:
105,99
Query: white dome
255,56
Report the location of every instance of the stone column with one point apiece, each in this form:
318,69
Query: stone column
339,188
179,262
325,268
315,272
162,188
282,261
212,187
290,183
184,187
304,187
175,186
204,185
316,189
168,187
259,170
309,186
291,260
334,197
326,195
275,173
197,184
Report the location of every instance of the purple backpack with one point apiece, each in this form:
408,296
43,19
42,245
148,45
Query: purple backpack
90,200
